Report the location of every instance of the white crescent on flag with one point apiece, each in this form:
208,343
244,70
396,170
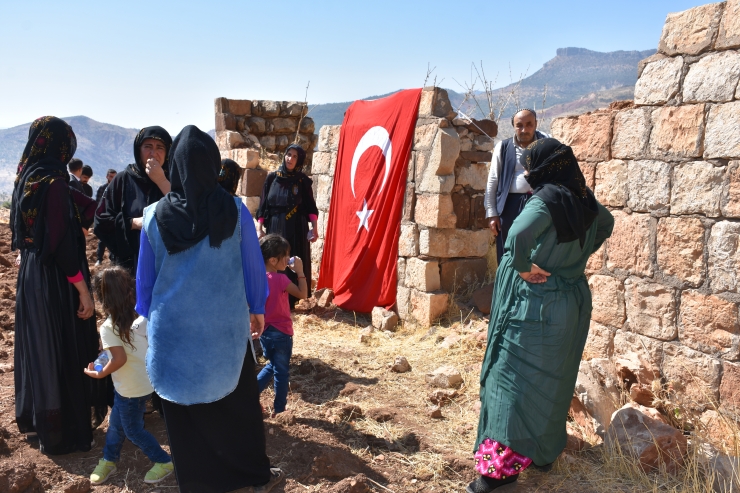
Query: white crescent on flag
376,136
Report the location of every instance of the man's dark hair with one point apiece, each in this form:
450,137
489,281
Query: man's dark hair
112,171
274,245
74,165
519,111
87,171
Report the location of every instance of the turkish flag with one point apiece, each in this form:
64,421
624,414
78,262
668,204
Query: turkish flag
361,242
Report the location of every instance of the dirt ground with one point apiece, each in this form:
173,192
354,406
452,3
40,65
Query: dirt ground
352,424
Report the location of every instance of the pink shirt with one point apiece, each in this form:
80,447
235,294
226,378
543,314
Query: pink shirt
277,307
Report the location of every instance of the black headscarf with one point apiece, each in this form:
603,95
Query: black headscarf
286,175
196,206
137,170
229,175
51,145
556,178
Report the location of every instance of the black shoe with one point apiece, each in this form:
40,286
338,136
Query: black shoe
484,484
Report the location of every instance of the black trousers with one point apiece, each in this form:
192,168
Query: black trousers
512,208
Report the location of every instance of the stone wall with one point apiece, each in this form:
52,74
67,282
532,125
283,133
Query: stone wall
444,236
255,133
666,284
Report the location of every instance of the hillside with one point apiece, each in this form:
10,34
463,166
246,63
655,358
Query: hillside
100,145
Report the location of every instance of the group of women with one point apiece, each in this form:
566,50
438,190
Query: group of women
167,219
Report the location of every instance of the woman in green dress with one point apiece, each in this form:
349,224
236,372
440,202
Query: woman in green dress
539,319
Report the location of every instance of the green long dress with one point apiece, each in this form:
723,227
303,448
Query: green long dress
536,335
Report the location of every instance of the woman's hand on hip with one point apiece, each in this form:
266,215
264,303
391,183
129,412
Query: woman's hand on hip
536,275
256,324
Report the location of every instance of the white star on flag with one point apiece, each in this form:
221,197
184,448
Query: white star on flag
364,215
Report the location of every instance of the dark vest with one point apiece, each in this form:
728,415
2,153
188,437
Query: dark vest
508,167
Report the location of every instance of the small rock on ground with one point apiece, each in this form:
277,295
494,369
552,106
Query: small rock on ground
444,377
401,365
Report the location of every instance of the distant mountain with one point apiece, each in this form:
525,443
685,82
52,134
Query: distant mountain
100,145
574,74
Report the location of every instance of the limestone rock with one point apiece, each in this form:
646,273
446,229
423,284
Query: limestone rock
384,319
445,150
680,248
408,243
611,183
256,125
608,300
631,133
448,243
697,188
724,257
476,156
326,298
424,136
422,274
451,340
692,31
241,107
434,412
220,105
444,377
457,275
401,269
596,261
709,324
598,391
401,365
324,186
589,173
229,140
403,301
284,125
245,158
409,204
473,175
324,163
483,143
652,443
651,309
483,297
434,211
366,334
630,246
268,142
329,138
268,108
693,376
435,102
731,196
713,78
427,307
251,182
646,348
600,342
725,468
443,396
722,141
589,135
649,186
677,132
729,389
225,121
253,204
634,369
659,82
729,27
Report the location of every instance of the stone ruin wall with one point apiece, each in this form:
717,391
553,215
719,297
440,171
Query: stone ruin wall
444,236
256,133
666,285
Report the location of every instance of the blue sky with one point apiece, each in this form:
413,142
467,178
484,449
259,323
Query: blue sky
137,63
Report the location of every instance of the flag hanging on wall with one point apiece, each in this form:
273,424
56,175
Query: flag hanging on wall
361,242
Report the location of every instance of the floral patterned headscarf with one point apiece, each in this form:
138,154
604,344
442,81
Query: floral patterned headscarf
51,145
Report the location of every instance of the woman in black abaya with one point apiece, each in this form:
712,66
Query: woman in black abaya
55,333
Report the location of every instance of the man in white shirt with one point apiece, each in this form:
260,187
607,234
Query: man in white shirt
507,189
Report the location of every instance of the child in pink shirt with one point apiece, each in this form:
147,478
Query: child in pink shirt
277,339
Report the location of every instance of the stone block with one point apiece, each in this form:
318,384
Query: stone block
695,377
411,168
709,324
256,125
241,107
458,275
422,274
403,302
488,127
589,135
483,143
252,204
221,105
268,142
648,349
608,300
329,138
596,388
435,102
729,27
649,186
697,188
692,31
714,78
323,192
408,243
476,156
401,270
307,126
448,243
246,158
425,308
324,163
680,248
677,132
251,182
444,152
225,121
631,133
321,223
268,108
599,343
473,175
651,309
482,298
478,212
293,108
724,258
730,205
660,81
434,211
729,389
611,183
281,142
229,140
409,203
589,173
284,125
461,205
427,181
630,246
596,261
723,139
424,136
383,320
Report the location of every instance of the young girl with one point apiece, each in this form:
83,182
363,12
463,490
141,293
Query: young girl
277,339
124,335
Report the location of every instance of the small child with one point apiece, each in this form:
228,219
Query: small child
277,338
124,335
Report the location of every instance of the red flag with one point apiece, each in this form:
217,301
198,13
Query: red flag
361,243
